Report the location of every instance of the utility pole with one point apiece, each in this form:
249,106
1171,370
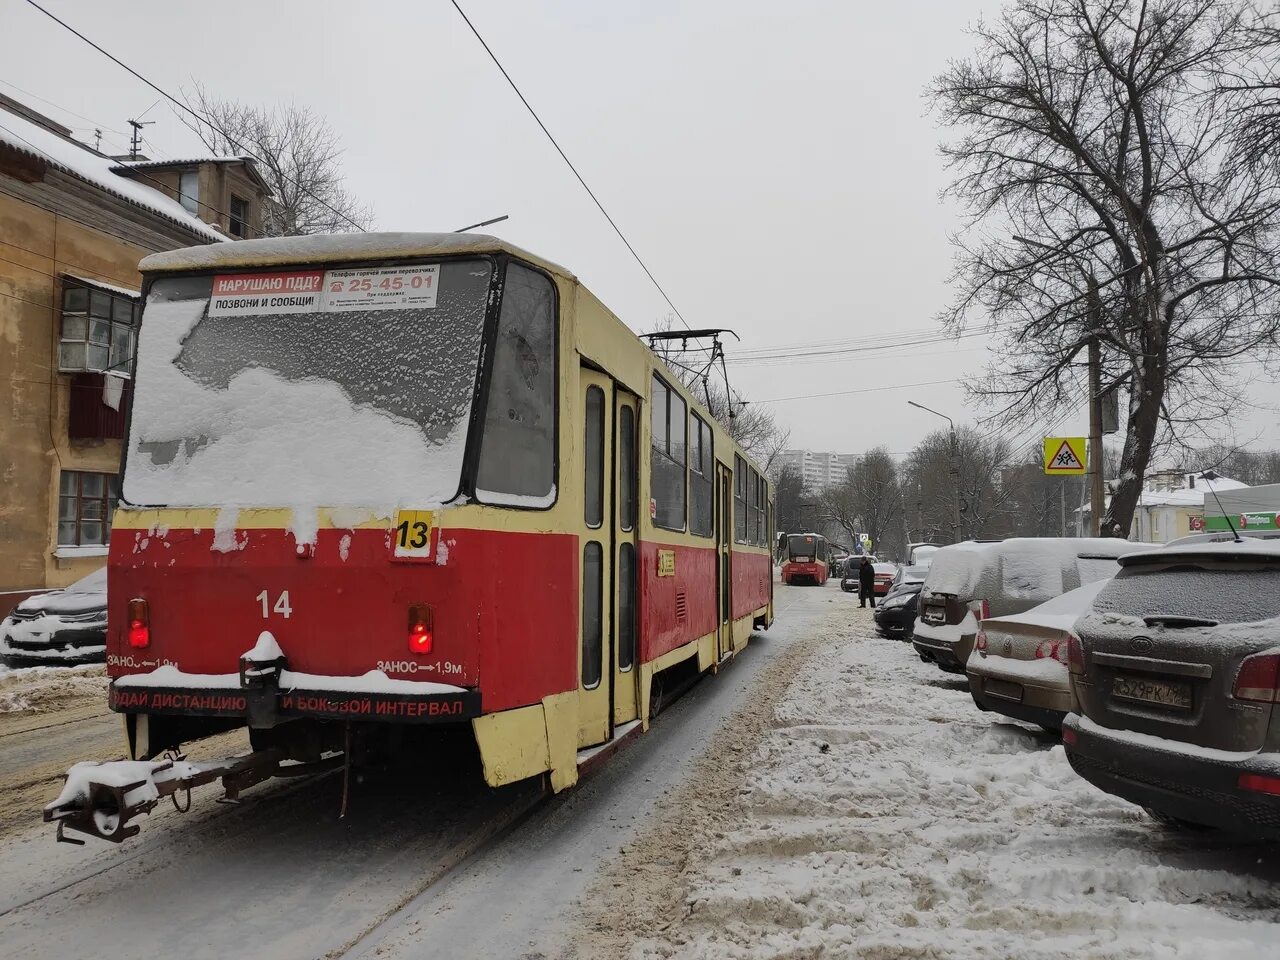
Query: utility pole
1096,496
955,468
136,142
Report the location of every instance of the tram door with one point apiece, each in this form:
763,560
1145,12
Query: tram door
626,621
724,558
595,677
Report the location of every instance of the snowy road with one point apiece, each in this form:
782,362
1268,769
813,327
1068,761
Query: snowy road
280,876
883,816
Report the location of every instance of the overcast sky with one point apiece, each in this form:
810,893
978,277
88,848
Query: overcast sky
774,164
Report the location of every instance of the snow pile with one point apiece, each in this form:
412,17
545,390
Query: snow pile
884,817
44,689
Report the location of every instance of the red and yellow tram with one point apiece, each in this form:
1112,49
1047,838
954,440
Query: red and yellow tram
410,479
806,559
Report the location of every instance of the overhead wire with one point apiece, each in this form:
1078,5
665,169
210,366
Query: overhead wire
198,116
563,156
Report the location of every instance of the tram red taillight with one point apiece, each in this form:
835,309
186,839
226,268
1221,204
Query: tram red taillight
421,632
139,624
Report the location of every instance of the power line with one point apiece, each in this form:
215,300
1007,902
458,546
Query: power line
201,118
565,158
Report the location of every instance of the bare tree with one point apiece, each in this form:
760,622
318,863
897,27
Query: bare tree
788,494
868,501
298,155
928,482
1095,161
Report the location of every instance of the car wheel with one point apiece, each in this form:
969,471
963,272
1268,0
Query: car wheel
1175,823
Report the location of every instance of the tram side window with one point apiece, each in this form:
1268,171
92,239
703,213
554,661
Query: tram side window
517,448
592,613
667,461
753,492
701,500
761,495
739,499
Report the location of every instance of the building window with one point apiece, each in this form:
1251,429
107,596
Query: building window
98,330
85,504
239,217
669,424
189,191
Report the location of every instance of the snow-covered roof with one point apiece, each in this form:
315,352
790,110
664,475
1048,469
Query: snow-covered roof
180,162
1188,496
103,285
85,164
1025,567
330,247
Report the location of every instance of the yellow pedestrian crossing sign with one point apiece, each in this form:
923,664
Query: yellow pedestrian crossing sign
1064,456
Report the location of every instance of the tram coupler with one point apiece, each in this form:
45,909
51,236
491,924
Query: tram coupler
100,799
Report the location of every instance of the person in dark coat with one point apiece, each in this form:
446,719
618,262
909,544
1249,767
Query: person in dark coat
866,583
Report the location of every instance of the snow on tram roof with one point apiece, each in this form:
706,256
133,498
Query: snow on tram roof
335,247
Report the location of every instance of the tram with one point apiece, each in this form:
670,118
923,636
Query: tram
377,483
806,559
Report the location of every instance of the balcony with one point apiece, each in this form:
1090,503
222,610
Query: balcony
90,416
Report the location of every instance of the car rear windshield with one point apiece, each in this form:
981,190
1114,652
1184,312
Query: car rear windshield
1227,593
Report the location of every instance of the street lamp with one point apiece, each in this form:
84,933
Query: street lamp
955,467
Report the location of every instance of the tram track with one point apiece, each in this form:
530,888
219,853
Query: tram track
404,843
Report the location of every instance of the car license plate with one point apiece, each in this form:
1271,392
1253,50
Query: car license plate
1164,693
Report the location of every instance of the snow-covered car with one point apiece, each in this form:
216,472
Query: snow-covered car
1176,670
895,615
919,553
969,582
1019,663
58,628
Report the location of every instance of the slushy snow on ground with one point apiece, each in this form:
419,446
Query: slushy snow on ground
885,816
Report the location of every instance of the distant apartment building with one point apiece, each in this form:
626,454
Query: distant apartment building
73,225
819,468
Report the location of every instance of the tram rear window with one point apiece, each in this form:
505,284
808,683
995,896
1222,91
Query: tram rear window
334,387
802,546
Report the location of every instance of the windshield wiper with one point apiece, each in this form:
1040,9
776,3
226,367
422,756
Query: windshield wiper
1174,622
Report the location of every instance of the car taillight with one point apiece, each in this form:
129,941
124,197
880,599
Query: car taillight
982,610
139,624
980,642
421,635
1258,678
1069,736
1259,784
1075,655
1053,650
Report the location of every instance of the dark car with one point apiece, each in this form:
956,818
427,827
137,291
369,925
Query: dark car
896,614
1177,673
59,628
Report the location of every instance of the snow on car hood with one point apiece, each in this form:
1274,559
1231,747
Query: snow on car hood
87,593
